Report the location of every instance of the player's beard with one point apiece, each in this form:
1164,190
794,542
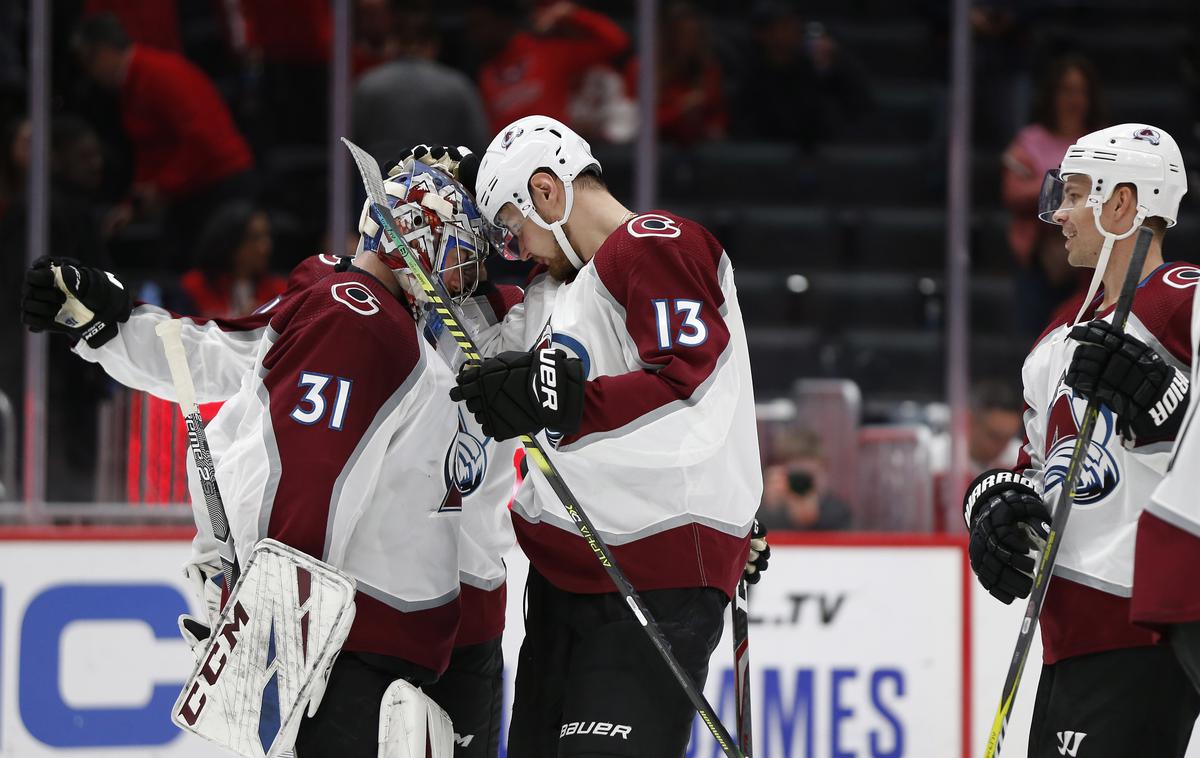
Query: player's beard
560,267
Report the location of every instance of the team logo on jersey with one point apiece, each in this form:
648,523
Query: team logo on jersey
652,225
574,349
356,297
510,136
1182,277
1100,476
1147,134
466,461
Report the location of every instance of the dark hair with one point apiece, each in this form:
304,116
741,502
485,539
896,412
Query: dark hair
221,237
995,395
101,30
1046,114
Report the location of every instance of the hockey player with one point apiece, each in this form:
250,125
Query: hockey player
1108,688
322,445
629,352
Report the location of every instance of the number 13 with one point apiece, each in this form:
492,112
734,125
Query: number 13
693,332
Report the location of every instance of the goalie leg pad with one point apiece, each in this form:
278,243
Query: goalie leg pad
413,726
269,653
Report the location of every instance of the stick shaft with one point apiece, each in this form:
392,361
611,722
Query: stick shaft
169,332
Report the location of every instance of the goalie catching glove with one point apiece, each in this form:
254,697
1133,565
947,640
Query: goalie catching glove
1110,366
1008,521
518,393
63,295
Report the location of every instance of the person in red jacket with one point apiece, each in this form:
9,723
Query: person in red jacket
537,71
188,154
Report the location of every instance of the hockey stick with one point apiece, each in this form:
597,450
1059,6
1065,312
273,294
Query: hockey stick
741,667
1062,511
169,332
445,307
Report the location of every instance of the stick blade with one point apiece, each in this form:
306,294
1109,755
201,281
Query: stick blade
368,169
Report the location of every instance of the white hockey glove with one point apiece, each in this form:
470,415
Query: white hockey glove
204,581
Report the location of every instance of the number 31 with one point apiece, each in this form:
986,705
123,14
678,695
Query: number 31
314,398
693,332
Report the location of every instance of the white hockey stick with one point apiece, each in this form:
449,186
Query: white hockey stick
169,332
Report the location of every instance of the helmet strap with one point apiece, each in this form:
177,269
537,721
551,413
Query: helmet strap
1105,252
556,228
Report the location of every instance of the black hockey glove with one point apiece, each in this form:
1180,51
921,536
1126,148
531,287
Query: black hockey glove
760,554
1007,519
1148,396
44,306
458,162
518,393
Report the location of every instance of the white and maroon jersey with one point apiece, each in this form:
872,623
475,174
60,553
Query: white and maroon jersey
1087,606
1168,538
327,441
666,460
483,471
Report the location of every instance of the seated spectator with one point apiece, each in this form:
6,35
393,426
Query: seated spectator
377,38
1066,106
416,100
231,278
691,96
800,85
795,494
537,70
188,154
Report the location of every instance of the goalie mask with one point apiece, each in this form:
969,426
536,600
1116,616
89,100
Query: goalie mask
439,221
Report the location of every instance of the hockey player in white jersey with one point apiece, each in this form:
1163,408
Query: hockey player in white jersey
629,355
322,445
1108,681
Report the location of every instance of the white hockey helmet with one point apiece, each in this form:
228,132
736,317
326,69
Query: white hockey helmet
520,150
1138,154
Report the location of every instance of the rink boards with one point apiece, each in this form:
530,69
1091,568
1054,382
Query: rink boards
861,645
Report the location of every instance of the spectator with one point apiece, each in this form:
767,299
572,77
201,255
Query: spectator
415,100
994,426
188,155
153,24
289,63
233,256
691,97
537,71
376,37
73,392
826,87
1066,106
795,494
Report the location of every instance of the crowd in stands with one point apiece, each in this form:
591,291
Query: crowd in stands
189,139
